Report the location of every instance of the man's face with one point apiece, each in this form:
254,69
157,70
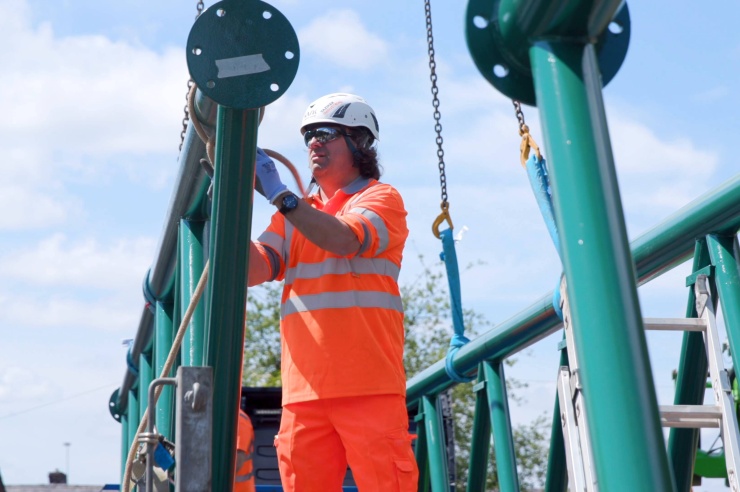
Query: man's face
328,153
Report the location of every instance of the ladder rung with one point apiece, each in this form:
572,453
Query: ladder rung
690,416
675,324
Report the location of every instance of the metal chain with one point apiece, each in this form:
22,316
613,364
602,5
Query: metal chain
435,103
528,142
520,116
199,7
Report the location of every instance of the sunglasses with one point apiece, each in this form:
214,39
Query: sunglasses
323,134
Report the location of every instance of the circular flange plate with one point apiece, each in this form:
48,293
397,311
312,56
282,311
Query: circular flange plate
511,72
113,406
243,54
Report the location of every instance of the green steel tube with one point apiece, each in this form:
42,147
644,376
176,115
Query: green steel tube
672,241
146,375
626,437
724,252
659,250
421,449
480,439
125,444
557,467
543,17
503,439
690,387
133,418
231,222
191,268
163,337
435,441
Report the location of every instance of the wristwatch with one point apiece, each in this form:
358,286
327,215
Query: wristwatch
289,202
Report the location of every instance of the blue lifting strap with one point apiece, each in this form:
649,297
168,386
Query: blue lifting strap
453,278
538,179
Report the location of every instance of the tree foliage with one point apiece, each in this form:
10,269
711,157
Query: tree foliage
428,329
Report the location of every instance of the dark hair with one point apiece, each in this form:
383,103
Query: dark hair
366,155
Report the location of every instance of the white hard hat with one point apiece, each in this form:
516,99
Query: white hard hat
341,109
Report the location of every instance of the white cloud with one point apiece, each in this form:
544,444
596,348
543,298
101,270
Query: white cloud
114,314
79,107
657,176
343,39
88,93
37,209
85,263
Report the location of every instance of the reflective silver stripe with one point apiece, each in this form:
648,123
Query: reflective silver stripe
379,225
340,266
289,228
275,243
274,261
338,300
244,478
271,239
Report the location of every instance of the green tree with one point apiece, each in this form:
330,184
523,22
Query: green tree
428,330
261,361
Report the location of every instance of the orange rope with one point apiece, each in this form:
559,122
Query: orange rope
208,138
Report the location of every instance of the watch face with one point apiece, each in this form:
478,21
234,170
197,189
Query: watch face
290,202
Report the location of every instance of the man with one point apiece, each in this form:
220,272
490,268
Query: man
244,477
339,252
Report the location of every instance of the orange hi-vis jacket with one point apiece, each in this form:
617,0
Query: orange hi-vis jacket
341,327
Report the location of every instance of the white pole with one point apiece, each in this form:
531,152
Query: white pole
66,445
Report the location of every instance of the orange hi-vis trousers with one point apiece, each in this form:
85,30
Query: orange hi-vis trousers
318,438
244,478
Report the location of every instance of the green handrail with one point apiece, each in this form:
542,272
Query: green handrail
657,251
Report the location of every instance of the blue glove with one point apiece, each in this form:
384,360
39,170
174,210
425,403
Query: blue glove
268,180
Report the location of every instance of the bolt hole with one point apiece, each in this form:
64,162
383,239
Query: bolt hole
210,84
274,87
500,71
289,55
197,51
615,28
266,14
480,22
221,12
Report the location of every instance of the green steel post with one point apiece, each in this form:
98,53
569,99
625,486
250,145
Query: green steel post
421,449
481,437
125,444
725,254
146,375
133,417
690,387
163,337
191,267
557,467
626,437
503,439
436,445
231,222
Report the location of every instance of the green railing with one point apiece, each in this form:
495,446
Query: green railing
557,58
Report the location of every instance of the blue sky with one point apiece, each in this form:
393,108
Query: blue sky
92,94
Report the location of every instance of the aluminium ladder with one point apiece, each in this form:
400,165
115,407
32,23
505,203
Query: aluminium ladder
579,455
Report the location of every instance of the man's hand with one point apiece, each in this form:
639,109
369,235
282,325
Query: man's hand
268,181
